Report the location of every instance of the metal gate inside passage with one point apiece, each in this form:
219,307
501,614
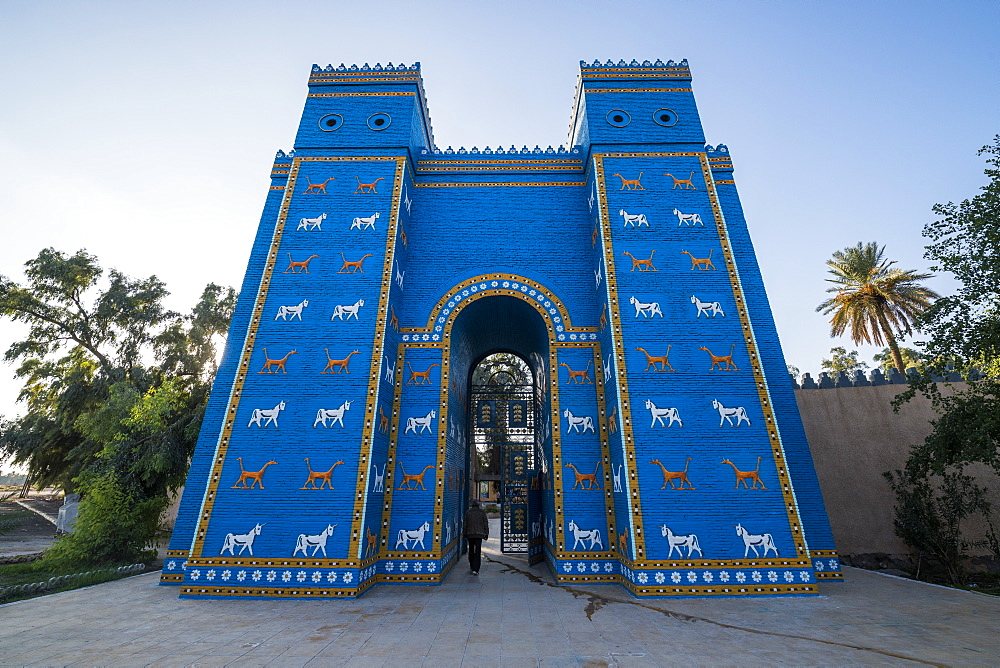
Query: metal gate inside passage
503,436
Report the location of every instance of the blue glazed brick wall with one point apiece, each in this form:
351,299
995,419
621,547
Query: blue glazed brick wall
671,459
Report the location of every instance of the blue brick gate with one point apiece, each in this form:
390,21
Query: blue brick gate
667,453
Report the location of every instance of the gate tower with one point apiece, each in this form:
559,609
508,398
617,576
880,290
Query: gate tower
664,434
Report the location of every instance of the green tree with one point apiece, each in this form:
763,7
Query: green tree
841,360
115,386
934,494
912,358
872,299
964,328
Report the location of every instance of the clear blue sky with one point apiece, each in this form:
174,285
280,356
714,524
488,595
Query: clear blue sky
144,132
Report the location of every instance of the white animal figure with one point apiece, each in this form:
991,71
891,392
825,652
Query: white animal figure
581,535
727,414
590,201
536,528
447,532
607,369
753,541
406,200
390,371
379,485
647,310
678,541
293,311
369,222
597,278
312,223
269,415
618,477
637,220
660,413
688,218
242,540
417,536
399,276
317,542
335,414
577,423
710,309
349,310
424,423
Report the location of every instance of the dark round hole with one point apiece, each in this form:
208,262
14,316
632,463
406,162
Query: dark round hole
664,118
330,122
617,118
379,121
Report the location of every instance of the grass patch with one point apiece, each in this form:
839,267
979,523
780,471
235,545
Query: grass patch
52,579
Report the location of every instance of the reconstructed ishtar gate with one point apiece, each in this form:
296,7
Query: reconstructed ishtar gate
658,445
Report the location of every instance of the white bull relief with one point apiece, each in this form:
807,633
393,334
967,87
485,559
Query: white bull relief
365,223
661,414
416,536
423,423
293,312
727,414
679,541
635,220
583,422
349,310
317,542
752,541
244,541
581,536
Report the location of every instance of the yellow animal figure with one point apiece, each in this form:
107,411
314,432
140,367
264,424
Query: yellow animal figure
631,184
371,542
324,477
613,421
623,543
644,265
317,188
701,264
383,420
604,317
593,237
663,361
724,363
298,266
743,476
589,478
420,377
255,477
685,184
368,187
674,475
582,377
340,364
411,479
353,266
280,364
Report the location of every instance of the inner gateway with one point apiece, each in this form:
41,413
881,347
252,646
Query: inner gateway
503,345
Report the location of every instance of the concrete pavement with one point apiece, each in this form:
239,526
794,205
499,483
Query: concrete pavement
511,615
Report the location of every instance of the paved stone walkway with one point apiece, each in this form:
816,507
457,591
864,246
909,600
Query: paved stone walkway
510,615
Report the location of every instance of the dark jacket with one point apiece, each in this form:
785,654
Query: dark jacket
477,525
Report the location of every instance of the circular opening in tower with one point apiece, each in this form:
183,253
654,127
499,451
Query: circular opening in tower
379,121
665,117
330,122
618,118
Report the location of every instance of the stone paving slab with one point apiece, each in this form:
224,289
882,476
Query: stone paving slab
510,615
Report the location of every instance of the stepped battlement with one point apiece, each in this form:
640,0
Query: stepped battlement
401,67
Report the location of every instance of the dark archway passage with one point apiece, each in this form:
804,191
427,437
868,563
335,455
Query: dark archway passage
505,407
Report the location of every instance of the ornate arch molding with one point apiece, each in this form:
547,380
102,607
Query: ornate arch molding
551,308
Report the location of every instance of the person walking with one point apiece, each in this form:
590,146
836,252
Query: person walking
476,530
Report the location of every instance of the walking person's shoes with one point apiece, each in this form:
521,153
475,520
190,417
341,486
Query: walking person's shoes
475,572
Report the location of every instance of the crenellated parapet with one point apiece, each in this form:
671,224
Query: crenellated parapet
499,150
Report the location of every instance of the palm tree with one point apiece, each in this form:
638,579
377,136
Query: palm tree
874,299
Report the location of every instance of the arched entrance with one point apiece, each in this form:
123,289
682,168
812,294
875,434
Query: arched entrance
499,345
